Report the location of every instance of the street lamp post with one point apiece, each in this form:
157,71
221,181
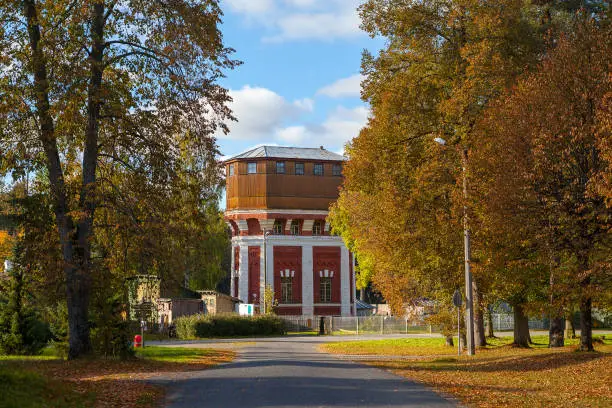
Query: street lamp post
469,303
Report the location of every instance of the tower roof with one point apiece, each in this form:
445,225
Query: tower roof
282,152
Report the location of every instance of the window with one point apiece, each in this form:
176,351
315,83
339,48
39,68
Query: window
316,228
252,168
280,167
336,169
295,227
325,289
318,169
286,290
278,227
231,170
299,169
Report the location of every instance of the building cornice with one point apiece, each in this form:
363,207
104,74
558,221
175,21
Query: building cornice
231,213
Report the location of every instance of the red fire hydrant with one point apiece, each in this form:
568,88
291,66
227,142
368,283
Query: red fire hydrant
137,341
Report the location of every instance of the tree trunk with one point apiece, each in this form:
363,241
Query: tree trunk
570,332
586,320
79,342
362,294
480,339
463,341
449,340
490,332
555,332
521,327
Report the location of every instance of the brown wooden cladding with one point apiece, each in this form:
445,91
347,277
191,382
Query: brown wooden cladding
267,189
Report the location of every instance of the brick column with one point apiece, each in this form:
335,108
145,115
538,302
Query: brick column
345,284
307,284
307,227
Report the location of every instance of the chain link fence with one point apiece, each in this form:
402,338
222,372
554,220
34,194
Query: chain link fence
505,321
356,325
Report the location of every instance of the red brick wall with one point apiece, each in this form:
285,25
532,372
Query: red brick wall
289,311
253,225
288,257
254,269
326,258
327,310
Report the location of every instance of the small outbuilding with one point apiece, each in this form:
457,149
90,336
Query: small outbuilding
215,302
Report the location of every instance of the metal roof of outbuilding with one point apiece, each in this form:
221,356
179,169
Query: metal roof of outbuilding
281,152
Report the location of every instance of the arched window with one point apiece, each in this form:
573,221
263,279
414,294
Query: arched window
317,227
278,227
295,227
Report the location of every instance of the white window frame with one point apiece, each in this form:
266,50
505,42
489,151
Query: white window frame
325,289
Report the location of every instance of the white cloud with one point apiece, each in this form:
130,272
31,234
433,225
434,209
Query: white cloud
338,128
345,87
265,117
260,112
250,6
289,20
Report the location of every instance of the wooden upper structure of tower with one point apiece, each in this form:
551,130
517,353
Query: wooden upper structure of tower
275,177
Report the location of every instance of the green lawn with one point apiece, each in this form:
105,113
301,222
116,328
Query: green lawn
429,346
22,388
175,354
47,381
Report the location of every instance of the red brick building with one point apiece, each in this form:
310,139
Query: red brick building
277,203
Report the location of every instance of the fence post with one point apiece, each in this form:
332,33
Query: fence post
406,326
382,325
357,322
499,321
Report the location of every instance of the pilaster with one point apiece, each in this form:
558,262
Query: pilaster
345,284
307,281
243,274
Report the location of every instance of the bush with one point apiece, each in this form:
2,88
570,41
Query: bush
200,325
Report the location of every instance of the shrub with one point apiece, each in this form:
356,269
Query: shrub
200,325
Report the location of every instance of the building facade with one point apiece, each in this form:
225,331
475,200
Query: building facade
277,203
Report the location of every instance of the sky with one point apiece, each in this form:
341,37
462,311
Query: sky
299,84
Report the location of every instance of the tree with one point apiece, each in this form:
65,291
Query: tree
551,127
105,81
22,331
444,61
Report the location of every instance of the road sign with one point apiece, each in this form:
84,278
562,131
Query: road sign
457,298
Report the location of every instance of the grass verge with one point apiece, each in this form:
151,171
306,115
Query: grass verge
46,382
499,375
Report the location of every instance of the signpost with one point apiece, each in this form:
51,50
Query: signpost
457,302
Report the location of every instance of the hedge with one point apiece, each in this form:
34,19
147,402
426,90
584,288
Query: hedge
201,325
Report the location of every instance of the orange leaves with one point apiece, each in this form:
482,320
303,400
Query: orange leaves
511,377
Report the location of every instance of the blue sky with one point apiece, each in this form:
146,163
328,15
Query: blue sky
299,84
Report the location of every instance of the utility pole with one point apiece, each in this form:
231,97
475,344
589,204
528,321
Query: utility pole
469,303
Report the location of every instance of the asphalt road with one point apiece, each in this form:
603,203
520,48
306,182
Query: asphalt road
290,372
